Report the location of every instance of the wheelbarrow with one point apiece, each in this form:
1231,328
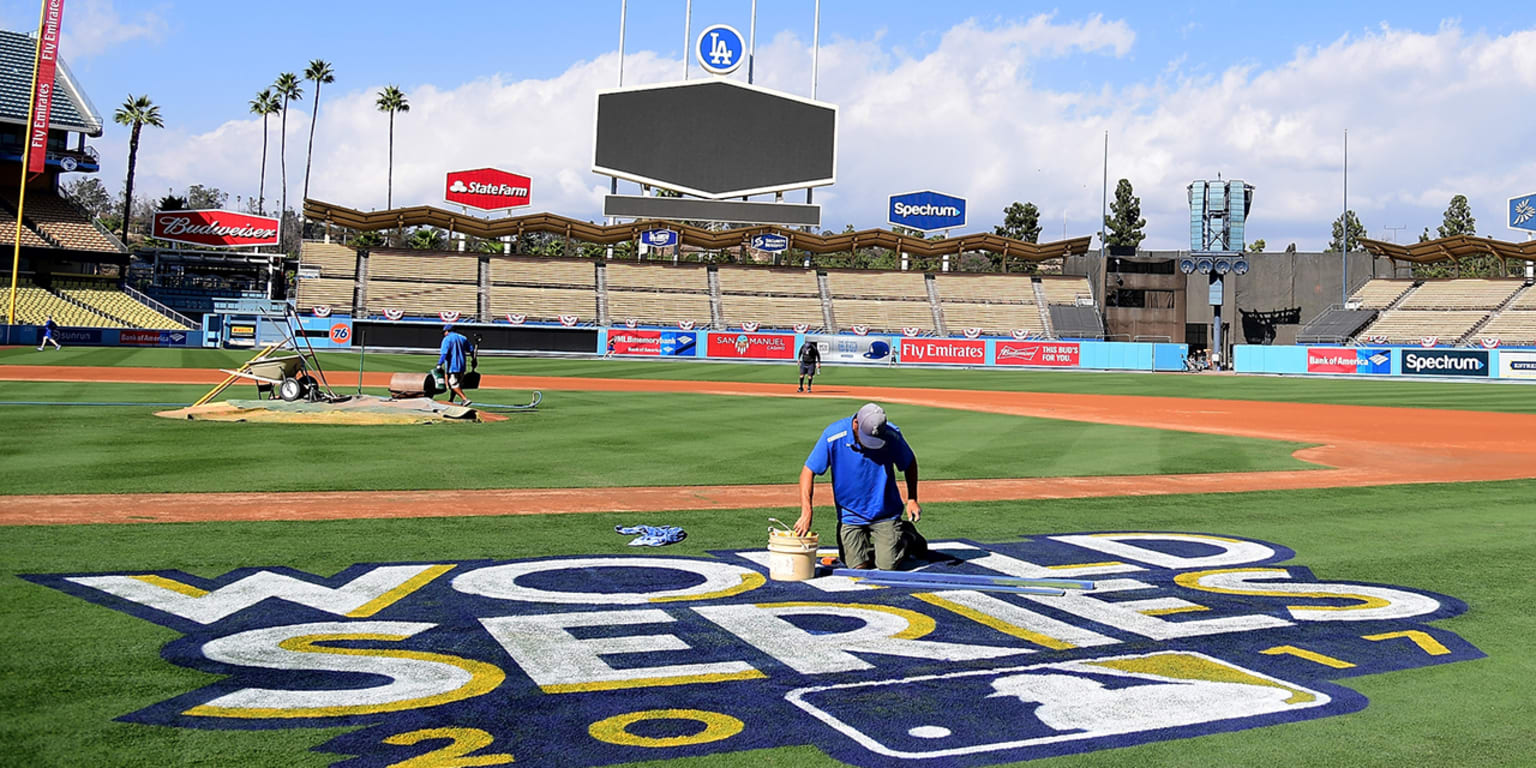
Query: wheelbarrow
285,377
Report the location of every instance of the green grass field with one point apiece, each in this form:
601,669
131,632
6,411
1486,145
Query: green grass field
72,668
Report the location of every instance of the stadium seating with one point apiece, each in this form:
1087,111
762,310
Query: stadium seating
880,285
336,293
1461,294
774,282
1512,327
883,315
1064,290
334,260
544,303
538,271
423,267
992,319
422,299
1408,326
1378,294
61,221
1006,289
34,305
108,301
658,307
8,233
772,311
656,277
1525,301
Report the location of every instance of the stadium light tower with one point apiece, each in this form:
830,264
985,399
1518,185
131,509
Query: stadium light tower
1218,220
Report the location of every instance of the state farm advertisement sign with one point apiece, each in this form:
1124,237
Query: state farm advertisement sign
952,351
1062,355
488,189
761,346
214,229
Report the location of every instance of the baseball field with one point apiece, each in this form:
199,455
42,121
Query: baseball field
1289,572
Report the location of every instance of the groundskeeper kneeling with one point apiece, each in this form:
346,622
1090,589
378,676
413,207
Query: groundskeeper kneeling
863,452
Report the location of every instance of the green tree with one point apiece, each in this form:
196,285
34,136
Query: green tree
1125,222
266,105
1290,248
287,88
137,112
201,198
92,195
171,203
1021,221
391,100
1425,237
1356,231
319,73
1256,246
1458,218
427,239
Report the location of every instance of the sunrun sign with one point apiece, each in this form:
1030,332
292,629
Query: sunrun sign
926,211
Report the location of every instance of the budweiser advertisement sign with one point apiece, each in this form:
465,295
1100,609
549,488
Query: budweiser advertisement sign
1049,353
950,351
214,229
488,189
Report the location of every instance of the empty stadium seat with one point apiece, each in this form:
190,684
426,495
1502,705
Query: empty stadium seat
336,293
34,305
772,311
1008,289
532,270
1461,294
1065,290
883,315
992,319
421,266
656,277
110,302
1512,327
895,285
775,282
544,303
1378,294
1408,326
658,307
334,260
422,299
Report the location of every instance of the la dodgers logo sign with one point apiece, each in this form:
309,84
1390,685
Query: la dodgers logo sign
590,661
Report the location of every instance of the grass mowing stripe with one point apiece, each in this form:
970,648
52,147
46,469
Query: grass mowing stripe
1513,397
574,439
70,668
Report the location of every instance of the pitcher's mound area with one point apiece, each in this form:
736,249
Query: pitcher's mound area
356,409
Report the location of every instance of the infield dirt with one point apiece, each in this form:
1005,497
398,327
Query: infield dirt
1359,445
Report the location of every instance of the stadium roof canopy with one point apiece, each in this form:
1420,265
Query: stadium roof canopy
1452,248
598,234
74,112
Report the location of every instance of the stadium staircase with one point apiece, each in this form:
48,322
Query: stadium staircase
935,306
602,295
716,311
825,288
1043,308
1497,311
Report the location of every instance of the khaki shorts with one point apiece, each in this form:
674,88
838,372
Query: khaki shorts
455,379
883,542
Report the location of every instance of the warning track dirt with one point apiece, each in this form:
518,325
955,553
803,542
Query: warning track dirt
1359,445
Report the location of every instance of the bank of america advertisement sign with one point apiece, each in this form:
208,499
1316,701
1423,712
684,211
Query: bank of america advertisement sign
927,211
1354,360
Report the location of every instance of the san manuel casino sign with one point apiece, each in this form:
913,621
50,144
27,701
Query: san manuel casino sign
214,229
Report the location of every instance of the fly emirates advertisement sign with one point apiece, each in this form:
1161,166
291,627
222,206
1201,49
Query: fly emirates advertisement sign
944,351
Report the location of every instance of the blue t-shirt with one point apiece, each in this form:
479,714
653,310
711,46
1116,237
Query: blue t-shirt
863,480
48,328
453,353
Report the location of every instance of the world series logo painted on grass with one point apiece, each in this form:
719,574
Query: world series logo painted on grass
590,661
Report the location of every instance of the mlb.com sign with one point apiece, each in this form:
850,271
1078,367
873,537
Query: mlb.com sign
1355,360
600,660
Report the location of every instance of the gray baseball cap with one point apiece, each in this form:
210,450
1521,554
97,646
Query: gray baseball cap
871,420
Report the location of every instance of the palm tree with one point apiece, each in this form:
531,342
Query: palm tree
287,88
391,100
320,72
265,104
137,112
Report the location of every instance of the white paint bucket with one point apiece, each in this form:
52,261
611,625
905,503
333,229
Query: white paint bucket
791,557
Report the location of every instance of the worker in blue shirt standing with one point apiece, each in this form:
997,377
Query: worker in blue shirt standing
49,329
863,452
453,355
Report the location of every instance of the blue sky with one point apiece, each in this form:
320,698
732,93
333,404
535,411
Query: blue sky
1025,91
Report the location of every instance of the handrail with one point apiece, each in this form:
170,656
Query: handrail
140,296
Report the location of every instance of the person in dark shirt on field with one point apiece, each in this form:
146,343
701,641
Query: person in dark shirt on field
810,364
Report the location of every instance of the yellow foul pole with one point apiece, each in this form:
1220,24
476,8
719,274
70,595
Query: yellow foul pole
26,158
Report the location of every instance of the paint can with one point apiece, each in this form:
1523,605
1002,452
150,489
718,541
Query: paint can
791,557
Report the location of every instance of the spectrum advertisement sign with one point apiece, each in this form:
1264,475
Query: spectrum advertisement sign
944,351
654,343
1352,360
751,346
1445,362
1045,353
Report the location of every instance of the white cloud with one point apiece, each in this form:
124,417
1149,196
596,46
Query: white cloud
1430,115
93,26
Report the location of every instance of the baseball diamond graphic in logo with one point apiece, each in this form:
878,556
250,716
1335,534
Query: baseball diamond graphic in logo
599,660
